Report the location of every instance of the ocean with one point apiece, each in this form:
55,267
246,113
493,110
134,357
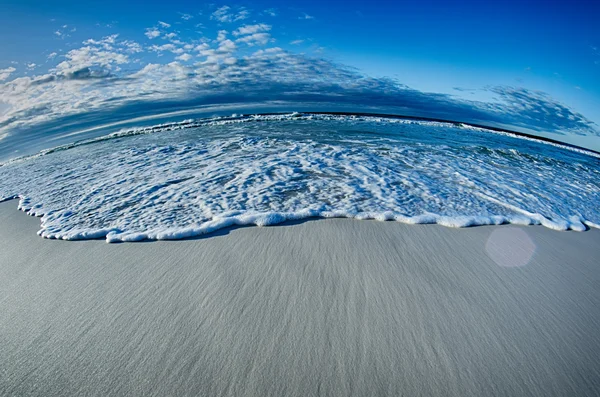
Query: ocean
184,179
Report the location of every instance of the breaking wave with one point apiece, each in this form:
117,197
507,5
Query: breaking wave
185,179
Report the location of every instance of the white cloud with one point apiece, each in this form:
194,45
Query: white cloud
186,17
227,46
226,15
96,57
167,47
31,101
90,77
5,73
250,29
222,14
306,16
223,54
62,35
222,35
52,55
152,33
149,68
255,39
164,24
106,42
271,12
31,66
243,14
184,57
131,46
202,47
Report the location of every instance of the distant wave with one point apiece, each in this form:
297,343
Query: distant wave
197,176
266,117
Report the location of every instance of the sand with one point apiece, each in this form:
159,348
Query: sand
328,307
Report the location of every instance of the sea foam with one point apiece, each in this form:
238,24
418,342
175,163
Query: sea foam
190,178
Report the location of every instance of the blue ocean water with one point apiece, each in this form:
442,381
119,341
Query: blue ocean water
185,179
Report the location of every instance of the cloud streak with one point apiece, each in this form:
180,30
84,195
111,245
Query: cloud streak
226,14
5,73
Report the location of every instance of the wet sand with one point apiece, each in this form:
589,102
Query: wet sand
326,307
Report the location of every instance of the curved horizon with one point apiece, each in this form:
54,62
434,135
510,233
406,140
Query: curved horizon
227,57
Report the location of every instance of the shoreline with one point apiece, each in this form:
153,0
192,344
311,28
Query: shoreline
272,219
324,307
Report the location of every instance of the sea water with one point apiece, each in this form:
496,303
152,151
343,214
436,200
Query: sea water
185,179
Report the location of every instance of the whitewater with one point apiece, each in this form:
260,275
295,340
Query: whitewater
180,180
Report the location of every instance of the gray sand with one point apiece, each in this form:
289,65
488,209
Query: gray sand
328,307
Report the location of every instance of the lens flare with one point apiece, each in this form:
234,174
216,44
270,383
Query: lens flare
510,247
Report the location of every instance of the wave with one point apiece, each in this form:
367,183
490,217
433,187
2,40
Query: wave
323,116
198,176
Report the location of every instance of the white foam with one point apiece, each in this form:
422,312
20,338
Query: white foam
196,177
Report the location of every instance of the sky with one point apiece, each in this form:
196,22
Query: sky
531,66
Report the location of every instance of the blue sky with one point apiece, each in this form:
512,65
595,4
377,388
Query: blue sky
475,52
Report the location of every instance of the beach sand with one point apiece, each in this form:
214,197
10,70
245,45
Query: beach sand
332,307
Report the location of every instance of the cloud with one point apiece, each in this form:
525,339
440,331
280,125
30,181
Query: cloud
306,16
226,46
152,33
170,47
538,111
222,14
251,29
201,47
61,35
131,46
186,17
105,42
5,73
270,12
255,39
96,58
253,34
221,36
226,15
52,55
102,80
164,24
270,74
184,57
243,14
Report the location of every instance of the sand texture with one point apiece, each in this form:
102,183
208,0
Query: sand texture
320,308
